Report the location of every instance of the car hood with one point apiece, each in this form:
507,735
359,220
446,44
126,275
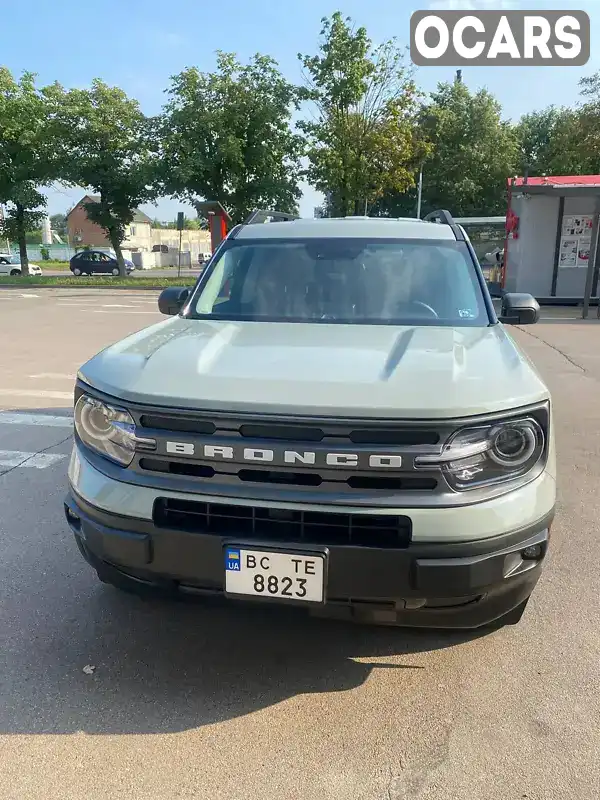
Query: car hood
318,369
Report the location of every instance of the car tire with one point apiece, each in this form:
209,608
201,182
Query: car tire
115,272
77,272
15,272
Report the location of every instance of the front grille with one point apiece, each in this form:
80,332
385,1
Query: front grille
351,433
192,447
284,525
289,477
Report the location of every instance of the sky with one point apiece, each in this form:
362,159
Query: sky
139,44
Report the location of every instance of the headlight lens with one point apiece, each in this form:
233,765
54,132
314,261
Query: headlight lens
107,430
476,457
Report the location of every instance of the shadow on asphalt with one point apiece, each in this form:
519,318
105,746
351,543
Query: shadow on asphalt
166,667
161,666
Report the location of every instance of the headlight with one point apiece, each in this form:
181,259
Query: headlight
476,457
107,430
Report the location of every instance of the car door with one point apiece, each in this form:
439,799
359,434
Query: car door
105,263
4,265
80,262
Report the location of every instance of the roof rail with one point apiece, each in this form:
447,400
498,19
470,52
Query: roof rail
261,215
441,217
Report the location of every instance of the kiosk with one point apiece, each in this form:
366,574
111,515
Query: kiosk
551,247
218,220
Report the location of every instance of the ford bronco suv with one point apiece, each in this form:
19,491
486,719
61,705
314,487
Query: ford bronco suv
334,417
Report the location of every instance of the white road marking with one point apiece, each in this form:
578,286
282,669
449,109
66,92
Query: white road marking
29,295
43,420
18,458
53,376
36,393
117,305
102,311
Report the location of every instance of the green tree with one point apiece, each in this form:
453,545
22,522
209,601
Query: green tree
28,157
364,140
583,143
563,141
188,224
112,149
550,142
227,137
474,152
58,223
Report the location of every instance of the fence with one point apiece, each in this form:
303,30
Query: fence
56,252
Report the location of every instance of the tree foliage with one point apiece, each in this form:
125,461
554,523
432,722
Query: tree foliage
474,152
28,157
549,142
58,223
227,137
364,140
112,152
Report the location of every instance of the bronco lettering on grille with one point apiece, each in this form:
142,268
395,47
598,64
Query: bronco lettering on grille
267,456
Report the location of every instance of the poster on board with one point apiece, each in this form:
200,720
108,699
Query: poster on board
576,239
583,252
568,252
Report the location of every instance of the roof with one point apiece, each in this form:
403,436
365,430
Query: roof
138,215
480,220
348,227
556,181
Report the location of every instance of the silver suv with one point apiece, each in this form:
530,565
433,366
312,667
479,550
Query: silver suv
334,417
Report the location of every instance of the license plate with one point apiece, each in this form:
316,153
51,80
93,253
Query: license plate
283,576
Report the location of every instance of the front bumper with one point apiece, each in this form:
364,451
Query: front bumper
451,585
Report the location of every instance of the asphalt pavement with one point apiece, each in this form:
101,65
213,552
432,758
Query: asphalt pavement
194,700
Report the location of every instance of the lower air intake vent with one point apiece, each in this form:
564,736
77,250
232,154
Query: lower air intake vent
283,525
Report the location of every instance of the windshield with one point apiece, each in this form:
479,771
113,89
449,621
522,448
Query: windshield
395,282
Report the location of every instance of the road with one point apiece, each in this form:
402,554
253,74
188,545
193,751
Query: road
198,701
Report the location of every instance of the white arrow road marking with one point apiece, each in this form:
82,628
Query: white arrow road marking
18,458
8,418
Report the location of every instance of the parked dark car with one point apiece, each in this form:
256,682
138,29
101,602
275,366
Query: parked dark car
91,262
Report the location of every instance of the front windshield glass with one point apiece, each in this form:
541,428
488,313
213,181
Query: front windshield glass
394,282
14,260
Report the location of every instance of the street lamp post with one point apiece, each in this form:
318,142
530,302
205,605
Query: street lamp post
420,196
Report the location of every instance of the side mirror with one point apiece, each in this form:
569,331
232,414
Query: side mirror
172,300
519,309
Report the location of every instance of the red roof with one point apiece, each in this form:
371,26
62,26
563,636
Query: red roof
559,180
